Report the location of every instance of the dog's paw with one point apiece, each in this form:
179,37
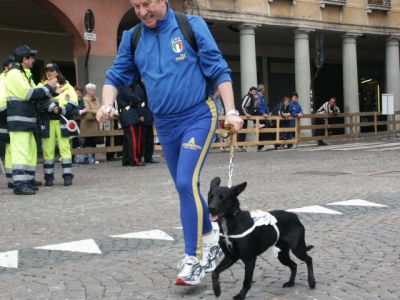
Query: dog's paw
288,284
312,284
238,297
217,290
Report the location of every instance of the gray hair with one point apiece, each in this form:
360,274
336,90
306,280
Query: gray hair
90,86
166,1
260,87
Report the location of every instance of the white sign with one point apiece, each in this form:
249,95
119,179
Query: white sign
90,36
387,104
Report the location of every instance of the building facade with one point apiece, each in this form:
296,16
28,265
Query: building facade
319,48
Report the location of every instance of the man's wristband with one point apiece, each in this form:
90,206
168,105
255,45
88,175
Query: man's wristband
232,112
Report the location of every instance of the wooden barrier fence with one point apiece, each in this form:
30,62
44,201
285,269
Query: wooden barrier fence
351,128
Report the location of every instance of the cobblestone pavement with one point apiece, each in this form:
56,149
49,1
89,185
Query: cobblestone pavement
356,253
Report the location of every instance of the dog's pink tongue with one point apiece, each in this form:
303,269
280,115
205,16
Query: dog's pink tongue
213,218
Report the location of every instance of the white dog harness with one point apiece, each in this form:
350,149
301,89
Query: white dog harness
260,218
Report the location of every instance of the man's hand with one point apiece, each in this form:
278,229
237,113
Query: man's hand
103,115
59,90
265,115
236,121
52,82
300,115
55,110
141,119
248,116
83,111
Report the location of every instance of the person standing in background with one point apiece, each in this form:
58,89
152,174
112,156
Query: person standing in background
23,100
92,104
129,104
297,112
4,135
146,119
54,127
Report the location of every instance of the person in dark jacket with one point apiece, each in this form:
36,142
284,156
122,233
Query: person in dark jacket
128,104
328,107
146,119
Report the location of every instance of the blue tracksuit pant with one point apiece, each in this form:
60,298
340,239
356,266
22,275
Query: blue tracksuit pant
186,139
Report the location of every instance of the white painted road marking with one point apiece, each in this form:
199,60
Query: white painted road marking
357,202
85,246
316,209
151,234
9,259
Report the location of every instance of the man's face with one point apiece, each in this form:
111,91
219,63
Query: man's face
149,11
79,94
253,92
27,63
294,98
332,102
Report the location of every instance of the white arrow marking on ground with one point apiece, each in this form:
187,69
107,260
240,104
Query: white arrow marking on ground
9,259
85,246
357,202
151,235
316,209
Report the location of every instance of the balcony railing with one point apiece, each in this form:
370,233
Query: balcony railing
385,5
323,3
381,2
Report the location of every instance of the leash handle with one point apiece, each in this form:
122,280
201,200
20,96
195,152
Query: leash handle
230,130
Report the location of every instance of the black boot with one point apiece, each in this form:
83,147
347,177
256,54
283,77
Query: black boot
24,190
67,181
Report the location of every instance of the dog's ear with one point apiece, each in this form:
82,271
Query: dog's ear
215,182
238,189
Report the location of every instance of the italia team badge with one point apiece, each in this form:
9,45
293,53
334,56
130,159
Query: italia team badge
177,45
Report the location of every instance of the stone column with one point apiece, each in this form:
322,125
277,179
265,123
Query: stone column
302,72
248,66
393,69
350,74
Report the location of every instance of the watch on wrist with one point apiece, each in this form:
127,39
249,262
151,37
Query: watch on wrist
232,112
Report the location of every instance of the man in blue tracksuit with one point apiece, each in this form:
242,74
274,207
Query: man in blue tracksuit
184,115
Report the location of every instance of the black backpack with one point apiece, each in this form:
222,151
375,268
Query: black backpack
184,25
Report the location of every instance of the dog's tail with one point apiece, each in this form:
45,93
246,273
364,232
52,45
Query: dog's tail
309,247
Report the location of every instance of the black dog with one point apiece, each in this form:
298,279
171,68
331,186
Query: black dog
288,233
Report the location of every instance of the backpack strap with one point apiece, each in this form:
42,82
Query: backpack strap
137,33
186,29
184,26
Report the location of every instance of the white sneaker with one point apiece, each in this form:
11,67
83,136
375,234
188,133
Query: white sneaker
209,260
294,146
262,149
190,271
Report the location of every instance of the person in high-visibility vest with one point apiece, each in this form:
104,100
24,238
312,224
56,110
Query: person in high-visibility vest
4,136
55,127
23,101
